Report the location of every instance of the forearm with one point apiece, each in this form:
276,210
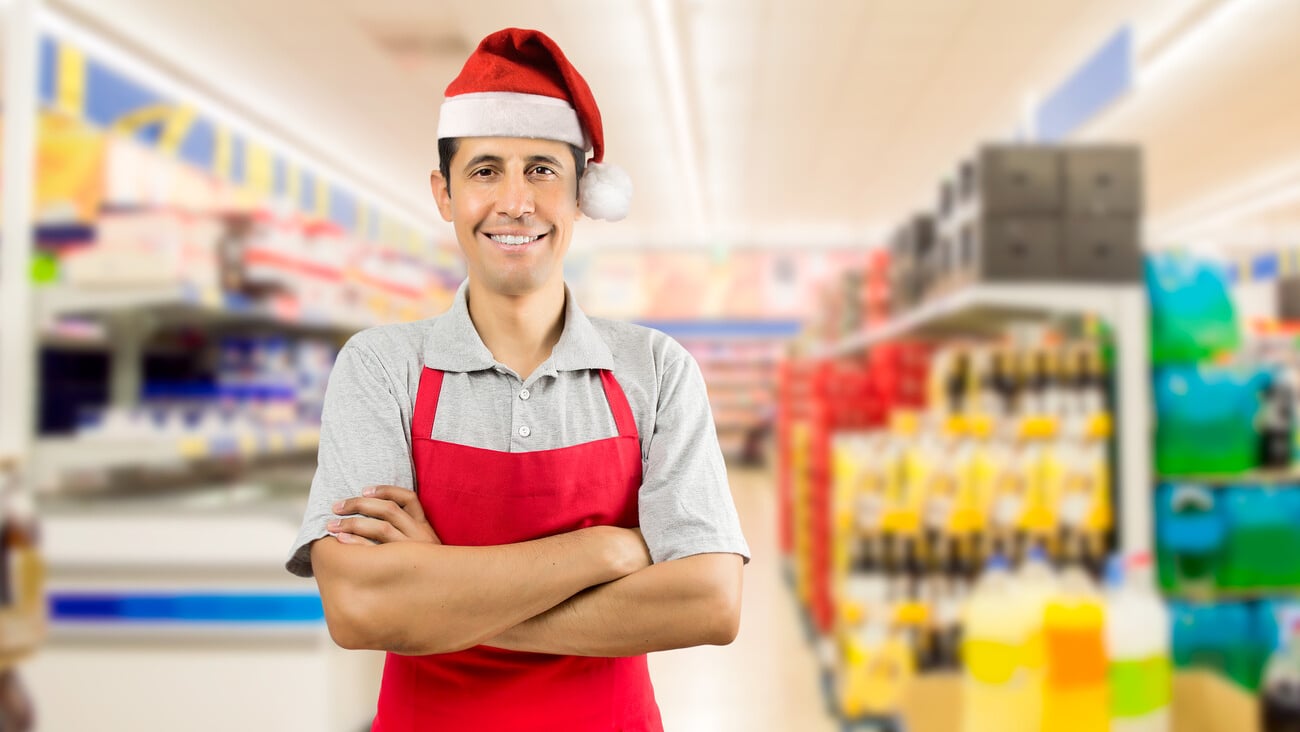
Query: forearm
418,598
686,602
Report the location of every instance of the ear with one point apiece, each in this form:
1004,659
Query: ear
441,194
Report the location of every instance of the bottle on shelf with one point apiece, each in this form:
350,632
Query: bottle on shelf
993,694
22,572
1036,585
1075,689
1137,645
1276,423
1279,698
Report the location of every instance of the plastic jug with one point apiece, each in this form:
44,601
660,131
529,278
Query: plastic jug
1192,402
1190,533
1075,698
1137,644
1220,637
993,689
1192,317
1263,548
1036,586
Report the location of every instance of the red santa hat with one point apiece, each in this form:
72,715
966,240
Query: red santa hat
518,83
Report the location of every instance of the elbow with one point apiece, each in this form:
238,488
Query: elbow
347,623
357,624
725,615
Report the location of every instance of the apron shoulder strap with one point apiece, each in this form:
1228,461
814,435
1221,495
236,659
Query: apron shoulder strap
618,405
426,403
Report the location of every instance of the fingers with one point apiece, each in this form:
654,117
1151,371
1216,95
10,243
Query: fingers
346,538
385,504
375,530
406,498
379,508
409,501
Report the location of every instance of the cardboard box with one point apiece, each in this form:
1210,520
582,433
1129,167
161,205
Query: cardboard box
1102,248
1013,179
1103,180
1203,701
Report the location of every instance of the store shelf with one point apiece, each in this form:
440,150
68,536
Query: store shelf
181,303
985,310
1290,476
53,457
1234,594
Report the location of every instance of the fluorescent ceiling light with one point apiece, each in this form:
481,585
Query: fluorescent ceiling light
1193,42
160,81
1233,214
1231,203
670,59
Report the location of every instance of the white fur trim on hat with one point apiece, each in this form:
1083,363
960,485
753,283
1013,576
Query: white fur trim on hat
508,114
605,192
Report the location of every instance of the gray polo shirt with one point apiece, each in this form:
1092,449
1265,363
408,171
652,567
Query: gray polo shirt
685,501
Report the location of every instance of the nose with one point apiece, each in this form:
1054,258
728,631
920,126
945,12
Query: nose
516,200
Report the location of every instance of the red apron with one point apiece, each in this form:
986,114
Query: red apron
477,497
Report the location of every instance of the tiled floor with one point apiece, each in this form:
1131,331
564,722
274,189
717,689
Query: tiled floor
767,680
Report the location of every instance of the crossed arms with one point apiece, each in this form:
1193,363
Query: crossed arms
388,583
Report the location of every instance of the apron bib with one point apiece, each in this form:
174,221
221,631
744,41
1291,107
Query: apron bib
478,497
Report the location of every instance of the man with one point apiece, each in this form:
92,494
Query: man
571,510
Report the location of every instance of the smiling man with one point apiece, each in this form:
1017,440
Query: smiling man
515,501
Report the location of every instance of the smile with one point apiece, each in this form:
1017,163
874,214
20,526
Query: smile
514,241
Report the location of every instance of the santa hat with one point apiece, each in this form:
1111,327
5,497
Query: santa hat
518,83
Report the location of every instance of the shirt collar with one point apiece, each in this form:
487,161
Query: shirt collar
455,345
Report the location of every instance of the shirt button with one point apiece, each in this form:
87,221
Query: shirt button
524,395
524,431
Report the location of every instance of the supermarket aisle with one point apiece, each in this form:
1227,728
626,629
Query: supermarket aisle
767,679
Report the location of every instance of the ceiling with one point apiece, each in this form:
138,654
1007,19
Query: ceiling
786,123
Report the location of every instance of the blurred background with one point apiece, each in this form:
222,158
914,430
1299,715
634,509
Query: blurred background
997,302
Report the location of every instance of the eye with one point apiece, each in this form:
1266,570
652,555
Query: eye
481,173
543,170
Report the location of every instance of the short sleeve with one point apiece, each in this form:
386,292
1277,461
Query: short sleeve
364,441
685,500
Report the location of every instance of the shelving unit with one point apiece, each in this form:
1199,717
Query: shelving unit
738,360
988,309
183,304
980,311
54,457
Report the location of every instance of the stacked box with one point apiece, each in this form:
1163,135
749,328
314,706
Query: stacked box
1039,213
1101,239
1003,224
910,259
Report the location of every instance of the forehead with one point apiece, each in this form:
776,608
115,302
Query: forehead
511,148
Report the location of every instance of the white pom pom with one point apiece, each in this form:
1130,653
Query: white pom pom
605,192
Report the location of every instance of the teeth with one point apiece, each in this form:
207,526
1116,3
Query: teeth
514,240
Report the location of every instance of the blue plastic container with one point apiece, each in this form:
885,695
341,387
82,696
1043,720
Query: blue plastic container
1190,534
1192,316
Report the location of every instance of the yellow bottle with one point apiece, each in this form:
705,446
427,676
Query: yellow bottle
1075,695
993,688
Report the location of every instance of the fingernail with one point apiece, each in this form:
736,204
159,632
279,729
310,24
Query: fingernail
334,525
368,491
339,506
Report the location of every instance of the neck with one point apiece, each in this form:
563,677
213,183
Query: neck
519,330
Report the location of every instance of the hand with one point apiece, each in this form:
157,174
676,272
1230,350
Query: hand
388,513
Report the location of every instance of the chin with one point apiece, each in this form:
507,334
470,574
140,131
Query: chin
515,284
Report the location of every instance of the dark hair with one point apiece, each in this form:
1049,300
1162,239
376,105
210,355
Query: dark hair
447,147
